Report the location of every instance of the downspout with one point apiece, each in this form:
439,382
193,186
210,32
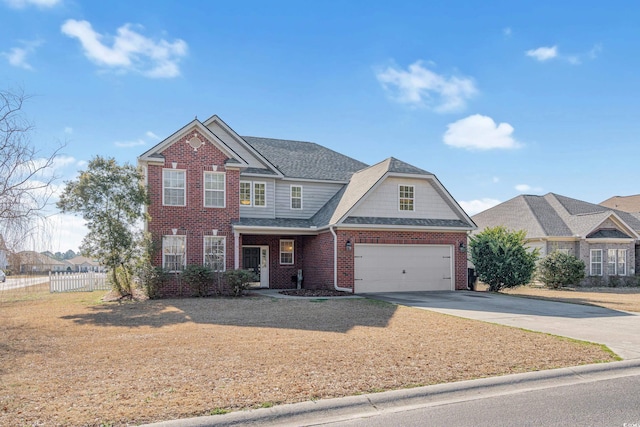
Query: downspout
335,263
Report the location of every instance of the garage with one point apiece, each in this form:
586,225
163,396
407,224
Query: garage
403,268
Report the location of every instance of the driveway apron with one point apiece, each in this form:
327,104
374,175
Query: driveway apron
618,330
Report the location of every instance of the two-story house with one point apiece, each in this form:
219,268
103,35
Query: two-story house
283,207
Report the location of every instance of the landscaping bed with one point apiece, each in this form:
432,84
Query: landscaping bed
73,360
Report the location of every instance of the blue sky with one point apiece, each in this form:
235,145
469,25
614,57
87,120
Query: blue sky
497,98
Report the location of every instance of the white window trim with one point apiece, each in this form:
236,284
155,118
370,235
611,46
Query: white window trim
224,189
184,253
293,252
591,262
614,263
291,198
618,261
174,188
250,193
224,250
253,194
412,198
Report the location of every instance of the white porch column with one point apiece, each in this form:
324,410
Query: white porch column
236,250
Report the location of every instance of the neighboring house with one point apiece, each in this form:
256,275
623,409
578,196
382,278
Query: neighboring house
31,262
283,207
4,261
84,264
605,239
629,204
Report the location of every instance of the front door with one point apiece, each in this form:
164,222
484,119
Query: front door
256,258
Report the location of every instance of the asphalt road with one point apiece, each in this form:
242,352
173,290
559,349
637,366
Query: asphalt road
613,402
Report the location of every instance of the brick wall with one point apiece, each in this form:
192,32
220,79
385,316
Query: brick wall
193,220
318,261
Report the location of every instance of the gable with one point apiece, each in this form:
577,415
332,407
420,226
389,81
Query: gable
383,201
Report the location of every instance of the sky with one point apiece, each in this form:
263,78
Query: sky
496,98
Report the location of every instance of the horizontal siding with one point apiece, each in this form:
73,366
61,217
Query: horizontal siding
263,211
314,196
383,202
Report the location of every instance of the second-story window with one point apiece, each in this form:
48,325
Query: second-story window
173,187
406,198
259,194
253,193
296,197
245,193
214,189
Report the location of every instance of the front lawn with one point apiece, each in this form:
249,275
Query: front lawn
70,359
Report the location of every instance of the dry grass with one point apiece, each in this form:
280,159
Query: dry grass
625,299
69,359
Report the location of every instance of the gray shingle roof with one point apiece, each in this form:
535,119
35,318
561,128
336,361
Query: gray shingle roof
306,160
551,215
423,222
274,222
608,234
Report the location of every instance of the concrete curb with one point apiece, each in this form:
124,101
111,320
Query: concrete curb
331,410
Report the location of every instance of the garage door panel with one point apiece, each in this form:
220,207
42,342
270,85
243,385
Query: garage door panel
402,268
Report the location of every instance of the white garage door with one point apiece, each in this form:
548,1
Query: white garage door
403,268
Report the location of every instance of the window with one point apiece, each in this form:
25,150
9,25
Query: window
214,252
617,262
596,262
173,187
406,197
286,251
296,197
214,189
611,262
253,193
259,194
173,252
622,262
245,193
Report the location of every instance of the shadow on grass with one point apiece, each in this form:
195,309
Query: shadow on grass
330,315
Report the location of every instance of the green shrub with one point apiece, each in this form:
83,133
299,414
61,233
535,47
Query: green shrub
500,258
238,280
152,280
560,269
199,278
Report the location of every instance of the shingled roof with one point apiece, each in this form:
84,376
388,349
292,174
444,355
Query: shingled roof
552,215
305,160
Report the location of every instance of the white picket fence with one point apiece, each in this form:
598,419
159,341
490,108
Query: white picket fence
77,282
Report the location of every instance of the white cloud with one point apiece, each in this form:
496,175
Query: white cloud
17,56
478,132
129,144
419,86
42,4
543,53
148,137
129,50
526,188
152,135
595,51
473,207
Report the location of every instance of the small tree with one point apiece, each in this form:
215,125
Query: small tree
501,259
199,278
110,198
560,269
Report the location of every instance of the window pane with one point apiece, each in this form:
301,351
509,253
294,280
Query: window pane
296,197
214,190
259,195
173,252
174,187
611,264
214,252
286,251
406,197
245,193
622,262
596,262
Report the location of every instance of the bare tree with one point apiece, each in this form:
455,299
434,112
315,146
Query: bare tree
26,175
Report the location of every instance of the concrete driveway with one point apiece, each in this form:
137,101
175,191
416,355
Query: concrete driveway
618,330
